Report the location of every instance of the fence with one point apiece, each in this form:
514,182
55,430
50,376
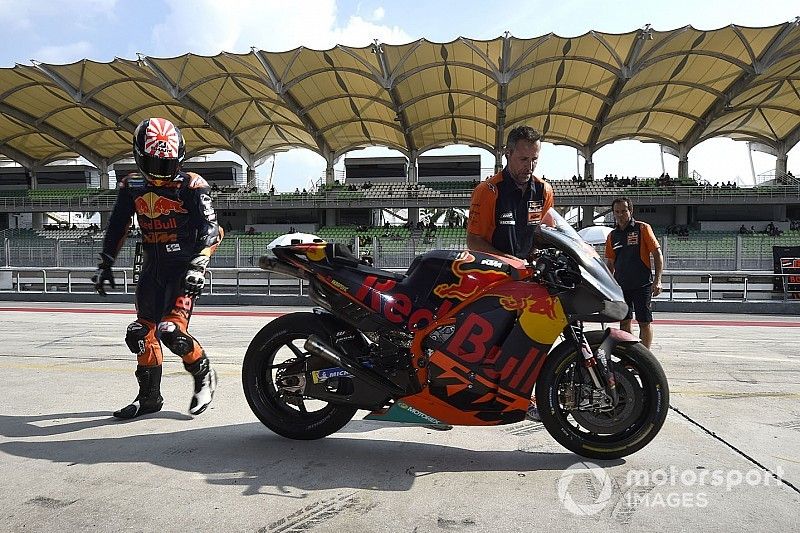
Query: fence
77,280
701,285
710,253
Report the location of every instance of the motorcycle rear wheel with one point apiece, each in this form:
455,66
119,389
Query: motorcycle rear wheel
644,402
275,351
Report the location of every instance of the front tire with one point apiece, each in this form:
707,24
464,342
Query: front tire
275,352
632,424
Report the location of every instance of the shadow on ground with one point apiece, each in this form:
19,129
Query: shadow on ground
249,456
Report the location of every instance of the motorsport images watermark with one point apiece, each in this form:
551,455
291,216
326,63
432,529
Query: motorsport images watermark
676,488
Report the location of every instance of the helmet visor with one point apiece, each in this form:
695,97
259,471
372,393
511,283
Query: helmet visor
160,168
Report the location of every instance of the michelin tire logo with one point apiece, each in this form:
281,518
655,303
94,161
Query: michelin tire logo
319,376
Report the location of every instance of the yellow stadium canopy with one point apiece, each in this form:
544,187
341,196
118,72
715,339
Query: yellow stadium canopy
676,88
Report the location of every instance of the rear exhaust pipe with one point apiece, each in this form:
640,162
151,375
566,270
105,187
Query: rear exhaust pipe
316,346
271,264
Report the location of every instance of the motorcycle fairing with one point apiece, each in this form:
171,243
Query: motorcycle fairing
400,411
374,300
482,370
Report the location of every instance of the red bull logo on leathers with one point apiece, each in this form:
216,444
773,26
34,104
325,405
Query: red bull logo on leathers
471,277
151,205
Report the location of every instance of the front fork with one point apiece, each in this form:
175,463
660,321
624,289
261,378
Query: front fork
595,365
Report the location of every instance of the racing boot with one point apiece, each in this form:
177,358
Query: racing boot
149,399
205,383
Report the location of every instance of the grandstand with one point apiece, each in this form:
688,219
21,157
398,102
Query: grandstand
358,220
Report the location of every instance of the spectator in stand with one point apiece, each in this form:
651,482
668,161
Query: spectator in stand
773,230
628,250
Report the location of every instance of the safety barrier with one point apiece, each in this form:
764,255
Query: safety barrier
686,285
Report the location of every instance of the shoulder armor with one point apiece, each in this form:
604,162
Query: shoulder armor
196,181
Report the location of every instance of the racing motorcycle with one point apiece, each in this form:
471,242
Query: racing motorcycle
461,338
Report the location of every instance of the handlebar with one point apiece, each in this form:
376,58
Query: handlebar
555,270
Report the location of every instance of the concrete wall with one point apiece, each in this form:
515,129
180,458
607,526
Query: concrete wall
735,212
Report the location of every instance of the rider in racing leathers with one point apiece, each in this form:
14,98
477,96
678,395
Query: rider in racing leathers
179,234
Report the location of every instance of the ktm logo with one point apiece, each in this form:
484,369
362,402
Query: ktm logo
152,205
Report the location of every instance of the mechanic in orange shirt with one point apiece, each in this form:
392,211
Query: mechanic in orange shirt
506,208
628,250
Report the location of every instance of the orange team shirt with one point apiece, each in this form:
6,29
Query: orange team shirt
630,248
506,216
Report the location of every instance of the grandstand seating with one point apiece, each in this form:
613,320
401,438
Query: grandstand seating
401,190
392,247
60,194
446,186
18,233
699,250
13,193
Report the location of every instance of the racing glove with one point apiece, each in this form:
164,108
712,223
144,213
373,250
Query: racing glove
195,278
104,274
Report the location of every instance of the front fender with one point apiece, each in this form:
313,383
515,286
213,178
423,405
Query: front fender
611,338
606,340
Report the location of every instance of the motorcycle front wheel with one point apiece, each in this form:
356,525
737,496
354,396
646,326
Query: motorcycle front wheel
273,376
604,434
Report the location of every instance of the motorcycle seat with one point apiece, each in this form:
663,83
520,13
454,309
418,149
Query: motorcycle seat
340,255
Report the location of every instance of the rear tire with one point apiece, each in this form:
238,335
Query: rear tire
639,415
277,348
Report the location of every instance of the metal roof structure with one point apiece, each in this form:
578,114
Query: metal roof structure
676,88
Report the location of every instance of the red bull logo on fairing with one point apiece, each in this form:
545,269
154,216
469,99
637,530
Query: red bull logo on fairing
539,305
151,205
471,277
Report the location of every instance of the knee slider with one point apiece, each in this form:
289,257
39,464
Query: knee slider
173,338
135,337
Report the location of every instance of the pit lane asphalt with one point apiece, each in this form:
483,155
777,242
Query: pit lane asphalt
728,455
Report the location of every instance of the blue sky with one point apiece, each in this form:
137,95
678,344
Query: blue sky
63,31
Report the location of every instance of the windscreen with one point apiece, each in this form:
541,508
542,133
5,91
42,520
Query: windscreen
556,232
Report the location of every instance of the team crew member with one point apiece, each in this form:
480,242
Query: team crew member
506,208
179,235
628,250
